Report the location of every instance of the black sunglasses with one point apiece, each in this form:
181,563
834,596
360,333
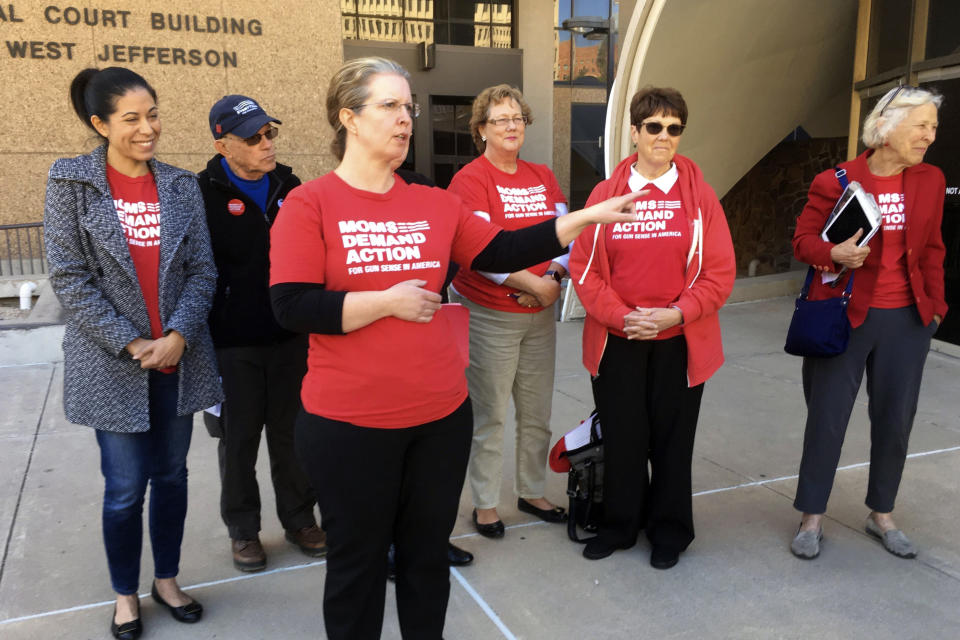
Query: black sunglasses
254,140
654,128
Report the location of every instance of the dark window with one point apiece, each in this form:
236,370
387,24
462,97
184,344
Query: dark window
945,154
942,39
452,144
889,35
586,154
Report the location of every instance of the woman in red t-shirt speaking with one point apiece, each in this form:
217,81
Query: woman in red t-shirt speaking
652,289
130,262
357,260
513,333
896,305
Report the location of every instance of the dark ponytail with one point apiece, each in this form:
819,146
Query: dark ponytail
94,92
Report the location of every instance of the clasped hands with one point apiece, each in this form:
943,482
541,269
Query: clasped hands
161,353
548,290
646,323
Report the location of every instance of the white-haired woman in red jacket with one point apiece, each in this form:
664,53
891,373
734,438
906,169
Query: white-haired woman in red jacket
652,289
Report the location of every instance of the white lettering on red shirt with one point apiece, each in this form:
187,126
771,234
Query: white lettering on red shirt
892,289
391,373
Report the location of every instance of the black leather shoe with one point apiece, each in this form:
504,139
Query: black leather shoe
128,630
458,557
663,557
490,530
597,549
557,514
190,612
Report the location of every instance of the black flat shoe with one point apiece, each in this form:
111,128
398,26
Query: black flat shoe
557,514
458,557
663,557
190,612
128,630
491,530
597,549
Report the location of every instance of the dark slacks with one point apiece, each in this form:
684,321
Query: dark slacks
377,486
262,389
648,414
129,461
891,345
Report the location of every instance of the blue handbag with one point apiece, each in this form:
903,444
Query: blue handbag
820,328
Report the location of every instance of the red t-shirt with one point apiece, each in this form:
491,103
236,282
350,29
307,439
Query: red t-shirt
648,258
390,373
513,201
138,210
892,289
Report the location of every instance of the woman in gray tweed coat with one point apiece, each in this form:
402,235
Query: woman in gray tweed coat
130,261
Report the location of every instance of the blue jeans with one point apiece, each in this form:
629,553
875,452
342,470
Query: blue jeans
128,461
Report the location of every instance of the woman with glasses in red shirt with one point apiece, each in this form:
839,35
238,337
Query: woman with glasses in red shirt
513,332
652,289
357,261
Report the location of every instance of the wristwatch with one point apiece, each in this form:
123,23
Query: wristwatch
556,275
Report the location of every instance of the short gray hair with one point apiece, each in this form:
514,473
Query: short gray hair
890,111
349,88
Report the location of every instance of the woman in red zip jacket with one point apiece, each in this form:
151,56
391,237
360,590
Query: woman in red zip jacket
652,289
896,305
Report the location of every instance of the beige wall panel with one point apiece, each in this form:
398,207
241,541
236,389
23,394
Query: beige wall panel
183,91
561,137
291,70
535,37
287,68
750,71
22,170
34,90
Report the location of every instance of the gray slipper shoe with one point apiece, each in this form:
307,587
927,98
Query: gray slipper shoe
806,544
894,541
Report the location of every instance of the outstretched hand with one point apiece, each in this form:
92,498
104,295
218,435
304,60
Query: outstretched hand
618,209
411,302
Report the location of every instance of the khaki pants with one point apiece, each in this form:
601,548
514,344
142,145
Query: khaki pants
510,354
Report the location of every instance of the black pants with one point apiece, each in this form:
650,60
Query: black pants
647,414
377,486
262,388
891,345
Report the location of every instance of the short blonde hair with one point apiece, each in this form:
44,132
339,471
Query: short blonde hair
890,111
488,98
349,88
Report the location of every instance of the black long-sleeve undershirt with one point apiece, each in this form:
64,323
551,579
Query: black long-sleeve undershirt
307,307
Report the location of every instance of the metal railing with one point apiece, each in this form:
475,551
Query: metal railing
22,252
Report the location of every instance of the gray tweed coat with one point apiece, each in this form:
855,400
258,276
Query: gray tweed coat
94,278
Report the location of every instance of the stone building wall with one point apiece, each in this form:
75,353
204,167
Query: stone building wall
192,53
762,207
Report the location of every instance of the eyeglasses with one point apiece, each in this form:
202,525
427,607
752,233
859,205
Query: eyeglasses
894,95
393,106
518,121
254,140
654,128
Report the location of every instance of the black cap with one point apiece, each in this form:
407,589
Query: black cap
238,115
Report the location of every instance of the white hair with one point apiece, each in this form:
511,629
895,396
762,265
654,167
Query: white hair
890,111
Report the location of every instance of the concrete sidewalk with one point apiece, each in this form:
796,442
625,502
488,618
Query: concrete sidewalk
737,580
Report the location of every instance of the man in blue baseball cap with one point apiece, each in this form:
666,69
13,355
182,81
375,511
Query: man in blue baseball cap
260,363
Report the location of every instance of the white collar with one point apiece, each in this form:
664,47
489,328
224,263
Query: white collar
664,183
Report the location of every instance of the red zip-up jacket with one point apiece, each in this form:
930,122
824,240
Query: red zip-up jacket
923,188
711,270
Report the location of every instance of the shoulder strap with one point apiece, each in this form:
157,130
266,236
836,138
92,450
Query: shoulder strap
841,177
